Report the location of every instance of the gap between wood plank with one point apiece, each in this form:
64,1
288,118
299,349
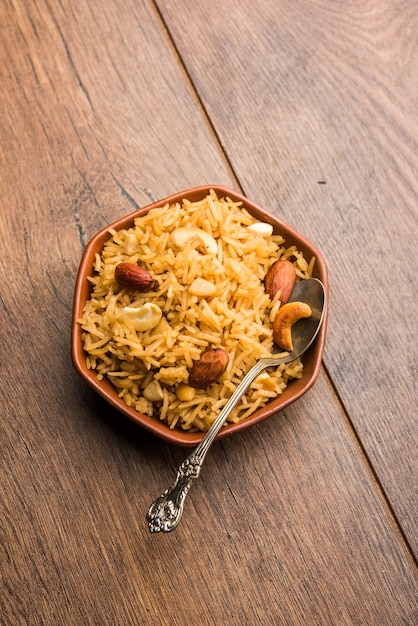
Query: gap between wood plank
229,167
369,467
349,423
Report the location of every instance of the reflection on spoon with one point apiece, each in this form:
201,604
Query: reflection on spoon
165,512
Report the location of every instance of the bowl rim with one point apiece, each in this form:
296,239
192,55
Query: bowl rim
106,390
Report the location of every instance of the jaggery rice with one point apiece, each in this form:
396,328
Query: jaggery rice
236,317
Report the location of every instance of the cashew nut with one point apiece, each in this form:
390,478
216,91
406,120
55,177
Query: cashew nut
142,318
202,287
182,238
162,327
261,228
153,391
286,316
131,244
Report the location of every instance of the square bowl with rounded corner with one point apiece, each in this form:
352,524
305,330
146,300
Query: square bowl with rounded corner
296,388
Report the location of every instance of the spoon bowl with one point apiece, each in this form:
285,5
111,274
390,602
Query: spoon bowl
304,331
165,512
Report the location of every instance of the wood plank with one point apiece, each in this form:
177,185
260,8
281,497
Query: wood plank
261,539
316,107
286,524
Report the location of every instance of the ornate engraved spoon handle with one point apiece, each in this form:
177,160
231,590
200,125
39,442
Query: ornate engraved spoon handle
165,512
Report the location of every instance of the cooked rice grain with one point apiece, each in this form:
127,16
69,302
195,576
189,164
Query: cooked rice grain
238,317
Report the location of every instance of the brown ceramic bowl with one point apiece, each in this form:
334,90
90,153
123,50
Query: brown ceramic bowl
296,388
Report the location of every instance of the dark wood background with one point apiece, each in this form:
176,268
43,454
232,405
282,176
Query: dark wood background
310,109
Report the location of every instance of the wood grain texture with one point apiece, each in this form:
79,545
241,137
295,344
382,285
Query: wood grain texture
316,107
287,524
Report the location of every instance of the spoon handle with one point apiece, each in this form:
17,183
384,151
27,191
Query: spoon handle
165,512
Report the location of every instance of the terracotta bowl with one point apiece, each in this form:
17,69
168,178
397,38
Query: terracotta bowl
296,388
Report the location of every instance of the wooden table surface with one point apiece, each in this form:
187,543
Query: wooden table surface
310,110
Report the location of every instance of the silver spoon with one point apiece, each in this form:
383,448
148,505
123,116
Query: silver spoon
165,512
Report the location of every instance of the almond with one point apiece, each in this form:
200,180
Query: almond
210,367
132,276
280,277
